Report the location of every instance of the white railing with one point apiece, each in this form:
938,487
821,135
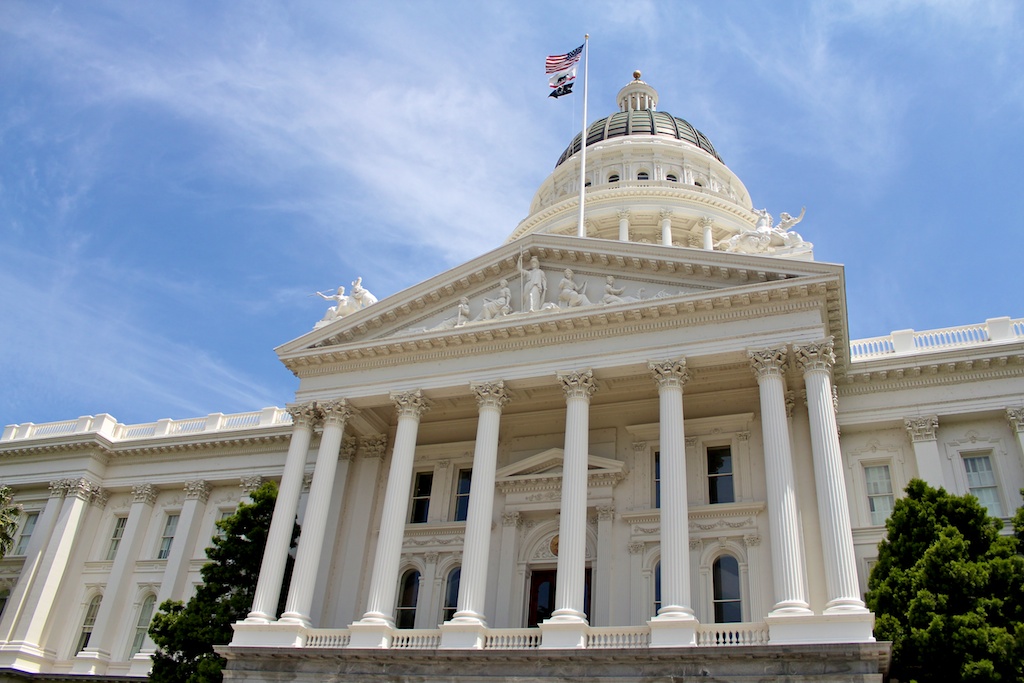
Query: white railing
598,638
329,639
619,637
107,426
723,635
904,342
416,639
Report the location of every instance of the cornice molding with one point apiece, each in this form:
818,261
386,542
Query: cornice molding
920,376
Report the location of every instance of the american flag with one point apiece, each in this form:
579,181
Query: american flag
556,63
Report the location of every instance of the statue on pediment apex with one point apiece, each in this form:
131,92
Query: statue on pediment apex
343,306
361,295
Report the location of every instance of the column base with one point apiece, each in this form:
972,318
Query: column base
91,661
846,606
564,633
674,630
791,609
793,629
463,633
375,634
24,657
275,634
296,619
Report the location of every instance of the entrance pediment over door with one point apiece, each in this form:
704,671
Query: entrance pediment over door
536,482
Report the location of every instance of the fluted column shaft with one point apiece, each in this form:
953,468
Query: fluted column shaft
676,601
788,574
477,545
572,526
383,584
275,556
314,523
841,585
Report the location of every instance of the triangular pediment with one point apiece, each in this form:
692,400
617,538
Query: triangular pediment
523,290
549,464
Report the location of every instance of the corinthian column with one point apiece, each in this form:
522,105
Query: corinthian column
465,628
788,575
379,616
705,225
675,624
311,538
572,526
268,587
816,361
623,225
666,227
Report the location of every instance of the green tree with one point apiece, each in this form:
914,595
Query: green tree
948,590
186,633
10,513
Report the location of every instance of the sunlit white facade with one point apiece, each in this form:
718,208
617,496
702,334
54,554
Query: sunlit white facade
655,444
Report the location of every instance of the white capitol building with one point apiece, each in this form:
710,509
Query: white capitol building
646,452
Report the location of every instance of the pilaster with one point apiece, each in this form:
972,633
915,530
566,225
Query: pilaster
922,432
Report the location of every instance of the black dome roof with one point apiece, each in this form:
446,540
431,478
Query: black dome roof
641,122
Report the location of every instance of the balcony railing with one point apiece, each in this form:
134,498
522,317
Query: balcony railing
107,426
908,342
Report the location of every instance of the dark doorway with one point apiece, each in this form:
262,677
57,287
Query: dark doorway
542,595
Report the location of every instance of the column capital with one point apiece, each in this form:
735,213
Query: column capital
304,414
578,383
669,373
1015,416
921,428
99,497
373,446
639,446
197,490
817,356
59,488
769,362
511,519
144,493
250,483
605,513
82,488
336,411
665,213
349,446
490,394
705,221
623,214
410,403
636,547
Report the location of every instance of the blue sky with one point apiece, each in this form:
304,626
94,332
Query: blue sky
176,179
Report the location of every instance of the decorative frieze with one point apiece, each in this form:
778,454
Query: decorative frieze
490,394
921,428
144,493
578,383
669,372
197,490
410,403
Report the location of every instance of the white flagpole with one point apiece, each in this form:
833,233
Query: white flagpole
581,229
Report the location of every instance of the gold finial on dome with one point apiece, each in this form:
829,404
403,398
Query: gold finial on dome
636,75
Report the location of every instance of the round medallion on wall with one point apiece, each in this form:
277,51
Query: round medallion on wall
553,546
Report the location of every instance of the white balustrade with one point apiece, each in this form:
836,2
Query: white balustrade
328,638
722,635
961,336
512,639
619,637
416,639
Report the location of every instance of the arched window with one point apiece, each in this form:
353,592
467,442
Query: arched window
672,177
88,623
142,624
613,178
451,594
408,594
657,588
643,175
725,573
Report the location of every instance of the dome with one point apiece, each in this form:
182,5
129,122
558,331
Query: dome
637,102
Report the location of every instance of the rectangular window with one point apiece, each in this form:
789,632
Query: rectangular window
26,533
880,498
115,537
421,486
981,480
657,479
170,526
218,530
720,488
462,495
